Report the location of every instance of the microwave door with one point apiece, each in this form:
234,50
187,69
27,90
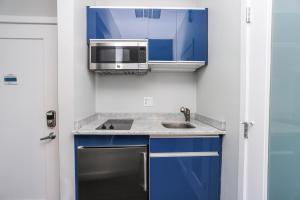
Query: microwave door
101,54
118,56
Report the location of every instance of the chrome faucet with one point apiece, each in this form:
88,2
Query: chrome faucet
187,113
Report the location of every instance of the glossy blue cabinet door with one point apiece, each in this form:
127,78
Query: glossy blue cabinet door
116,23
168,145
192,35
185,168
162,34
185,178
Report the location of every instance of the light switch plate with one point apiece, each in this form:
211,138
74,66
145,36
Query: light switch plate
148,101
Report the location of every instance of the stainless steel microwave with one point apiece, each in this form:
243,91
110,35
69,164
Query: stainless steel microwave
118,56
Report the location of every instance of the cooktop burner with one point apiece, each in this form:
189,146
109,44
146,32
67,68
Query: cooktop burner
116,124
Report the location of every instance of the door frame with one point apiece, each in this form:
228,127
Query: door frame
255,98
37,29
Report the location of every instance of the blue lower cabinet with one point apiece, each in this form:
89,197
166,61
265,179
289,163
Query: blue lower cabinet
185,144
180,178
179,168
182,173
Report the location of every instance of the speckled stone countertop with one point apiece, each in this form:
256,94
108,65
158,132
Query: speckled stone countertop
144,124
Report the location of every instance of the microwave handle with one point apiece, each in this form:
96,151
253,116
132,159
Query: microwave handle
141,54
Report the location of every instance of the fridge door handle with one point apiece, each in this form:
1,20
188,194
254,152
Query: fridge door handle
145,171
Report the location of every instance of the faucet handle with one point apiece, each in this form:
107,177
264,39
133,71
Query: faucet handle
186,112
182,109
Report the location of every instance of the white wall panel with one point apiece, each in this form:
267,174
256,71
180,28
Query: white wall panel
84,84
170,91
218,88
65,20
28,8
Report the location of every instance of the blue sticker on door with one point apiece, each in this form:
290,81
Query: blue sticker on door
10,79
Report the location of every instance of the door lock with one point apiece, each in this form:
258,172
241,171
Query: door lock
51,118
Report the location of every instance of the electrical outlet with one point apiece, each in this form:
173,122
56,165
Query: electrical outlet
148,101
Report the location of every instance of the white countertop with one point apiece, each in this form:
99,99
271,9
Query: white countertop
150,127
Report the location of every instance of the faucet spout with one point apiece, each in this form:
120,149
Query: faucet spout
187,113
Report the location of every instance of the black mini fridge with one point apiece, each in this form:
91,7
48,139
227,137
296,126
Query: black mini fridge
112,173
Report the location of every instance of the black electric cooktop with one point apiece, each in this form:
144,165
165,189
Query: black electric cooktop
116,124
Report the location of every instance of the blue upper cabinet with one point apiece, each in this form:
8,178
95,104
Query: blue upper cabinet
162,34
192,35
174,34
116,23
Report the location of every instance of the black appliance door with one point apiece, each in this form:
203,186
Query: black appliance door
112,173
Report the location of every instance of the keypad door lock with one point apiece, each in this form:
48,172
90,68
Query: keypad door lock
51,118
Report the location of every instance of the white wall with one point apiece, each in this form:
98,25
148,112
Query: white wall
84,83
45,8
218,88
76,85
170,91
65,20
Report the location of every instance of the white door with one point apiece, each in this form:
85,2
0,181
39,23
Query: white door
29,167
255,91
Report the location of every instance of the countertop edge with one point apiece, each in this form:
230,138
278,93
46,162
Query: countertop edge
154,133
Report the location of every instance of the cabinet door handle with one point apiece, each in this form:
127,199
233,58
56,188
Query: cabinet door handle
145,171
183,154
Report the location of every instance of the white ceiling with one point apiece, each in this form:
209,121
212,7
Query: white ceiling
149,3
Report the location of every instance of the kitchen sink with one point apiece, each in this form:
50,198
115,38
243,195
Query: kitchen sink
178,125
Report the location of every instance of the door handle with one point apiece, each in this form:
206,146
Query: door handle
145,171
51,136
247,125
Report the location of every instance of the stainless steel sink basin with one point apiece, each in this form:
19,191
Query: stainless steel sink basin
178,125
